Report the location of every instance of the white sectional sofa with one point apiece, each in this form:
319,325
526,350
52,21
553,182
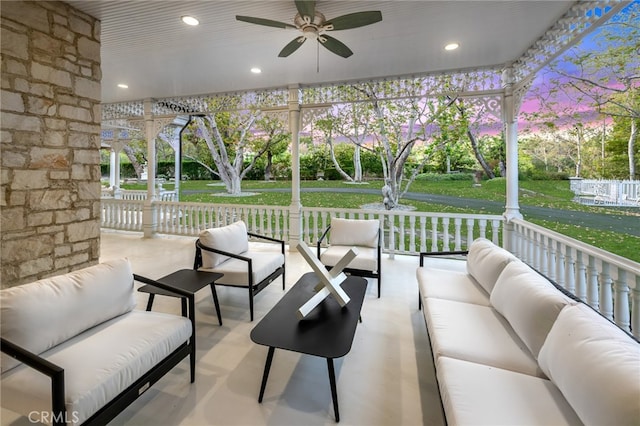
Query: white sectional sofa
74,349
511,348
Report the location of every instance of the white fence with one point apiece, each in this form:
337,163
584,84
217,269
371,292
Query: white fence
137,195
403,232
607,192
609,283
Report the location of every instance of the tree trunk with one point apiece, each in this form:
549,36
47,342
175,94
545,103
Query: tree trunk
134,161
267,168
344,174
479,156
357,164
631,148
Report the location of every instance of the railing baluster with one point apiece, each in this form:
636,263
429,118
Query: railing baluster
606,297
457,239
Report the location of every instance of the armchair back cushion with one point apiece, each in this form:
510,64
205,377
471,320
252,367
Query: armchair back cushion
40,315
231,238
595,365
485,262
354,232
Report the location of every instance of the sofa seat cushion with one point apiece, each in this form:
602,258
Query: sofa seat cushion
236,272
450,285
99,363
367,258
596,365
478,334
485,262
477,394
42,314
529,302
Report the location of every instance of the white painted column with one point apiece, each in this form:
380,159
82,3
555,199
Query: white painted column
116,148
112,166
295,209
149,216
509,116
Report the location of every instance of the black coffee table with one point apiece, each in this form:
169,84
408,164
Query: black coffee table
327,331
188,280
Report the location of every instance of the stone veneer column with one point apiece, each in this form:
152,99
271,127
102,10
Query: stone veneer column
49,140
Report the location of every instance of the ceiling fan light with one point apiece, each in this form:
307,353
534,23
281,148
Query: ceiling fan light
451,46
189,20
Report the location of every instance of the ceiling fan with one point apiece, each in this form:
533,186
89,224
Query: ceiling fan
313,25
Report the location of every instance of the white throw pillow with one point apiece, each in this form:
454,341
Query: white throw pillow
354,232
231,238
486,261
45,313
529,302
595,365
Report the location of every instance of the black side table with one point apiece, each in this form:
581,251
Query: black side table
188,280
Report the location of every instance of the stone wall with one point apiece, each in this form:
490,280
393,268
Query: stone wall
49,140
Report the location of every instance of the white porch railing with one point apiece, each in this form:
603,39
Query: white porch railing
137,195
607,282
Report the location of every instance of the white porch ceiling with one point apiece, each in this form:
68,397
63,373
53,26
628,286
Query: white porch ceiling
145,44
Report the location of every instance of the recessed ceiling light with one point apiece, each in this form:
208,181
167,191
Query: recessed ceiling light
256,70
451,46
123,86
189,20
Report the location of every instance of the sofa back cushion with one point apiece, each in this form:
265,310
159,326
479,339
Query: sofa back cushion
595,365
45,313
231,238
354,232
486,261
529,302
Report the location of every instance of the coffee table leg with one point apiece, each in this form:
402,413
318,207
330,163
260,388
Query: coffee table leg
265,375
334,391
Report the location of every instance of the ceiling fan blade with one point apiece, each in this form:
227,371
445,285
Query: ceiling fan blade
355,20
306,8
336,46
292,47
266,22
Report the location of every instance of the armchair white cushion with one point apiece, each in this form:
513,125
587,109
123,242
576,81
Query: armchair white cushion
364,234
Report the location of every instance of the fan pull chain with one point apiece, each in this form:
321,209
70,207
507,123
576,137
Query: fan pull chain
317,57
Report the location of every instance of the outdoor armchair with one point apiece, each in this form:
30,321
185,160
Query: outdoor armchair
364,235
245,264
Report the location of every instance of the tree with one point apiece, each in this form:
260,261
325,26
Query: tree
398,127
610,80
272,138
236,139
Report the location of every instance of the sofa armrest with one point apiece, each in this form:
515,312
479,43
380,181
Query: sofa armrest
53,371
441,253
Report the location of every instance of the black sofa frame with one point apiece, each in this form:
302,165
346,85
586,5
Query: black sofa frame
129,395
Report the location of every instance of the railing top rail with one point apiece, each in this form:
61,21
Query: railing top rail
613,259
404,213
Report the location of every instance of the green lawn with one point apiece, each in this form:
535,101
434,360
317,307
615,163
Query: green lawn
553,194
